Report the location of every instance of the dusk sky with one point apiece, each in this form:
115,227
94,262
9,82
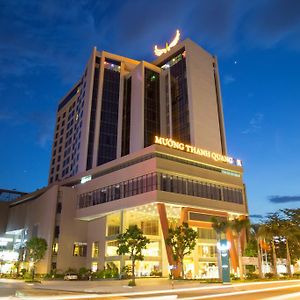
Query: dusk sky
44,46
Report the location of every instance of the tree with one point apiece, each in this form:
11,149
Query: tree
220,228
290,231
182,240
132,242
254,230
238,225
36,248
270,230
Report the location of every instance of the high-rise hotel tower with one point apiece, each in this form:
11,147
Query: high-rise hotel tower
137,143
119,106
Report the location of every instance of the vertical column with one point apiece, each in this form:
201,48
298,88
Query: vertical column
165,228
122,229
232,250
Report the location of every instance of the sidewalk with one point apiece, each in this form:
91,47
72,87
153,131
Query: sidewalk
118,286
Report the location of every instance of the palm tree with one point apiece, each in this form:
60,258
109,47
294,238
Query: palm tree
220,228
290,230
291,234
270,230
254,229
238,225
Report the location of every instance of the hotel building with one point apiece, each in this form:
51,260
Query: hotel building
136,143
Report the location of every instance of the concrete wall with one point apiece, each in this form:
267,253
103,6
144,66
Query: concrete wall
203,104
137,109
71,230
39,212
96,232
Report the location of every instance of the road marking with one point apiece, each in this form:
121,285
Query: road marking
242,292
172,291
284,297
188,289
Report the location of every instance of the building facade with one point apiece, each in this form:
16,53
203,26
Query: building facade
120,104
137,143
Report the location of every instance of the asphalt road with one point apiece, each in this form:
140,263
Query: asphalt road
284,290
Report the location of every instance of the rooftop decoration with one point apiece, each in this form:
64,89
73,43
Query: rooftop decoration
159,52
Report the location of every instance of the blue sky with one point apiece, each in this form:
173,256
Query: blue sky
44,46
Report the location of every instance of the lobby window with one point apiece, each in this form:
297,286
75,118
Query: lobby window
54,248
94,266
207,234
95,250
113,222
79,249
111,248
206,251
153,249
150,227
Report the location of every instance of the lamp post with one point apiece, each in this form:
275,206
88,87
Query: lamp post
223,247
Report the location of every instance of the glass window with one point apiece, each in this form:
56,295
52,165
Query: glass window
150,227
153,249
206,251
111,248
54,248
107,150
79,249
58,207
113,222
151,107
94,266
206,234
95,249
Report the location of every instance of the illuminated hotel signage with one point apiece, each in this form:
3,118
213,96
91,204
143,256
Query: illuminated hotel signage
194,150
159,52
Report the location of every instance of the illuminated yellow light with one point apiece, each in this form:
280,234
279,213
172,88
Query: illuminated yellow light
168,142
159,52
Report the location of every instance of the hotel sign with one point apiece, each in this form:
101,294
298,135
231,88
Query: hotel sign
168,142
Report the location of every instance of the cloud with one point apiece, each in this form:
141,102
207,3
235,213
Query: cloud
44,127
41,123
228,79
271,22
60,34
254,124
284,199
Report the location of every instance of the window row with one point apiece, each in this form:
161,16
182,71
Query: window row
162,182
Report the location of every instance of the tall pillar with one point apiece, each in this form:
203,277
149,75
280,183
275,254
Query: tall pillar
232,250
161,208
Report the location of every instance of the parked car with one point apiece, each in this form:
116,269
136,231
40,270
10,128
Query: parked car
70,276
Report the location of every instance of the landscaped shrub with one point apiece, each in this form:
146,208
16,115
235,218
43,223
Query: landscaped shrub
156,273
84,273
126,272
234,277
296,275
252,276
269,275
